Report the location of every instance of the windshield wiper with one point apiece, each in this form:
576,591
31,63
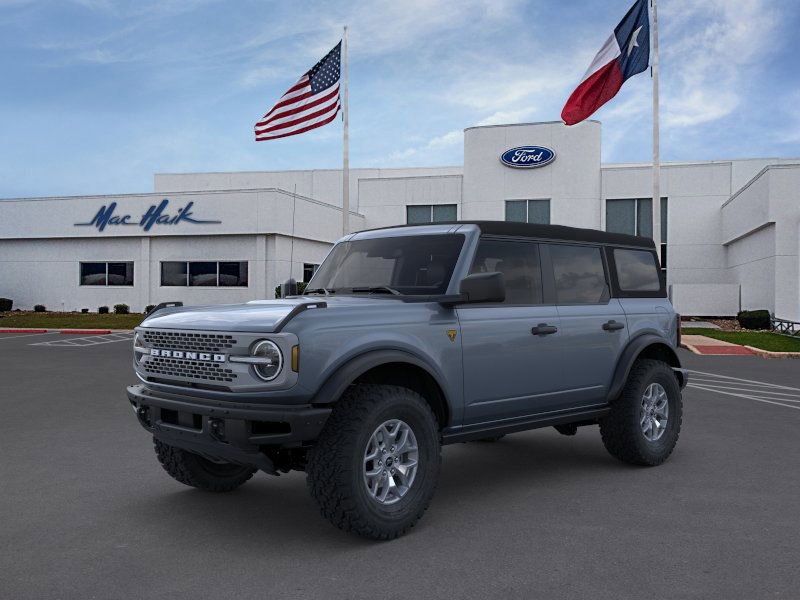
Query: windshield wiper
378,289
319,291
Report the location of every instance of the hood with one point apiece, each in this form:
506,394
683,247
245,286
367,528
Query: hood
259,316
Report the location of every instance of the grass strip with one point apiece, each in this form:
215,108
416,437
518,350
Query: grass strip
59,320
764,340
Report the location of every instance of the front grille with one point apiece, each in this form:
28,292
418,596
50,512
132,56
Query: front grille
181,340
193,369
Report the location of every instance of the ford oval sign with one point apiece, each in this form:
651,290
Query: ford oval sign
527,157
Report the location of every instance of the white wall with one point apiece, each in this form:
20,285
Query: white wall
324,185
571,181
41,246
48,271
237,212
695,192
705,299
760,234
383,201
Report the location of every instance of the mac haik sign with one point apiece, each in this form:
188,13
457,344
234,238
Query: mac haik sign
157,215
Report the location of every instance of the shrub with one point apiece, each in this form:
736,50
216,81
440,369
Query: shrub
103,310
84,310
149,308
39,308
122,309
6,304
754,319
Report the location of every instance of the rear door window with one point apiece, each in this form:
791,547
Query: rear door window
579,274
519,264
637,271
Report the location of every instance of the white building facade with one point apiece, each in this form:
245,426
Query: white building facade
730,228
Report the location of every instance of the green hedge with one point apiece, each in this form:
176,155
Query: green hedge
6,304
754,319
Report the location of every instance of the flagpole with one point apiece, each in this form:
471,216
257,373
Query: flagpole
346,156
656,204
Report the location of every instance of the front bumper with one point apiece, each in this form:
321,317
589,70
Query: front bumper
230,431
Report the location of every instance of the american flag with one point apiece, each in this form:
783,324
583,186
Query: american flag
310,103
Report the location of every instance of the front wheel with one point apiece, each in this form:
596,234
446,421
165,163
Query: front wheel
645,421
375,466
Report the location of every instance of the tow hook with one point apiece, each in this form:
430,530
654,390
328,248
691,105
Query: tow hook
143,414
216,428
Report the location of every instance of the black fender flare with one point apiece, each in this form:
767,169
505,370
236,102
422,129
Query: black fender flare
347,373
632,351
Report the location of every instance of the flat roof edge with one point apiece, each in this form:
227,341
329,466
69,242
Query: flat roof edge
529,123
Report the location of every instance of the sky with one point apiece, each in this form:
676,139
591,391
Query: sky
98,95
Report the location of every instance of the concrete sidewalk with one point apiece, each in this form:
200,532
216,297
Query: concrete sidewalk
700,344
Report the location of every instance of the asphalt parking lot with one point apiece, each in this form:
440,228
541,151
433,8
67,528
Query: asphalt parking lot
87,511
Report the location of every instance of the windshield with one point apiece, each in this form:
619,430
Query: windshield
409,265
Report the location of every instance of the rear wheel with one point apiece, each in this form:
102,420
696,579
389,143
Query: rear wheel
375,466
645,421
194,470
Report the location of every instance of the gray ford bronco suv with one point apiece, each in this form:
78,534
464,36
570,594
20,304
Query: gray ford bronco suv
408,338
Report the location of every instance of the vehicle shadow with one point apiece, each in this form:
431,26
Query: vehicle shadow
269,511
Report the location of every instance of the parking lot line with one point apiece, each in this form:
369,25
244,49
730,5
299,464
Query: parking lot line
92,340
748,389
745,396
715,376
755,391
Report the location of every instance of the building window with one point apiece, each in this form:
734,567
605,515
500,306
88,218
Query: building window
634,216
421,214
204,273
528,211
308,271
107,273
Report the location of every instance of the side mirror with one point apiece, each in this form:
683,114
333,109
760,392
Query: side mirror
483,287
289,288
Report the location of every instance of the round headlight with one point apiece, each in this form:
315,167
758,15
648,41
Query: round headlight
271,361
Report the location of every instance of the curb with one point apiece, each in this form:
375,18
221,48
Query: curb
23,330
770,354
86,331
754,350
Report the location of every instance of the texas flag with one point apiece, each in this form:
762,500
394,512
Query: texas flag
625,53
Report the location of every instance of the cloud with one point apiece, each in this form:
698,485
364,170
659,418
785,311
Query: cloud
708,48
451,139
381,26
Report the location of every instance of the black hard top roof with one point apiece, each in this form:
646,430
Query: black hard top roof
549,232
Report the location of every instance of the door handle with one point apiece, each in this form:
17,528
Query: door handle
612,325
544,329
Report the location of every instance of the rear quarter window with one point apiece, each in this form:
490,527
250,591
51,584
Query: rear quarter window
637,271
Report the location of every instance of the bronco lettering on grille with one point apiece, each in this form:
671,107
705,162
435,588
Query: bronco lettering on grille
204,356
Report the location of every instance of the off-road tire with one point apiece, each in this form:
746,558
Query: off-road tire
196,471
620,429
335,467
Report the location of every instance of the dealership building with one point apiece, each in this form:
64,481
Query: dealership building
730,234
